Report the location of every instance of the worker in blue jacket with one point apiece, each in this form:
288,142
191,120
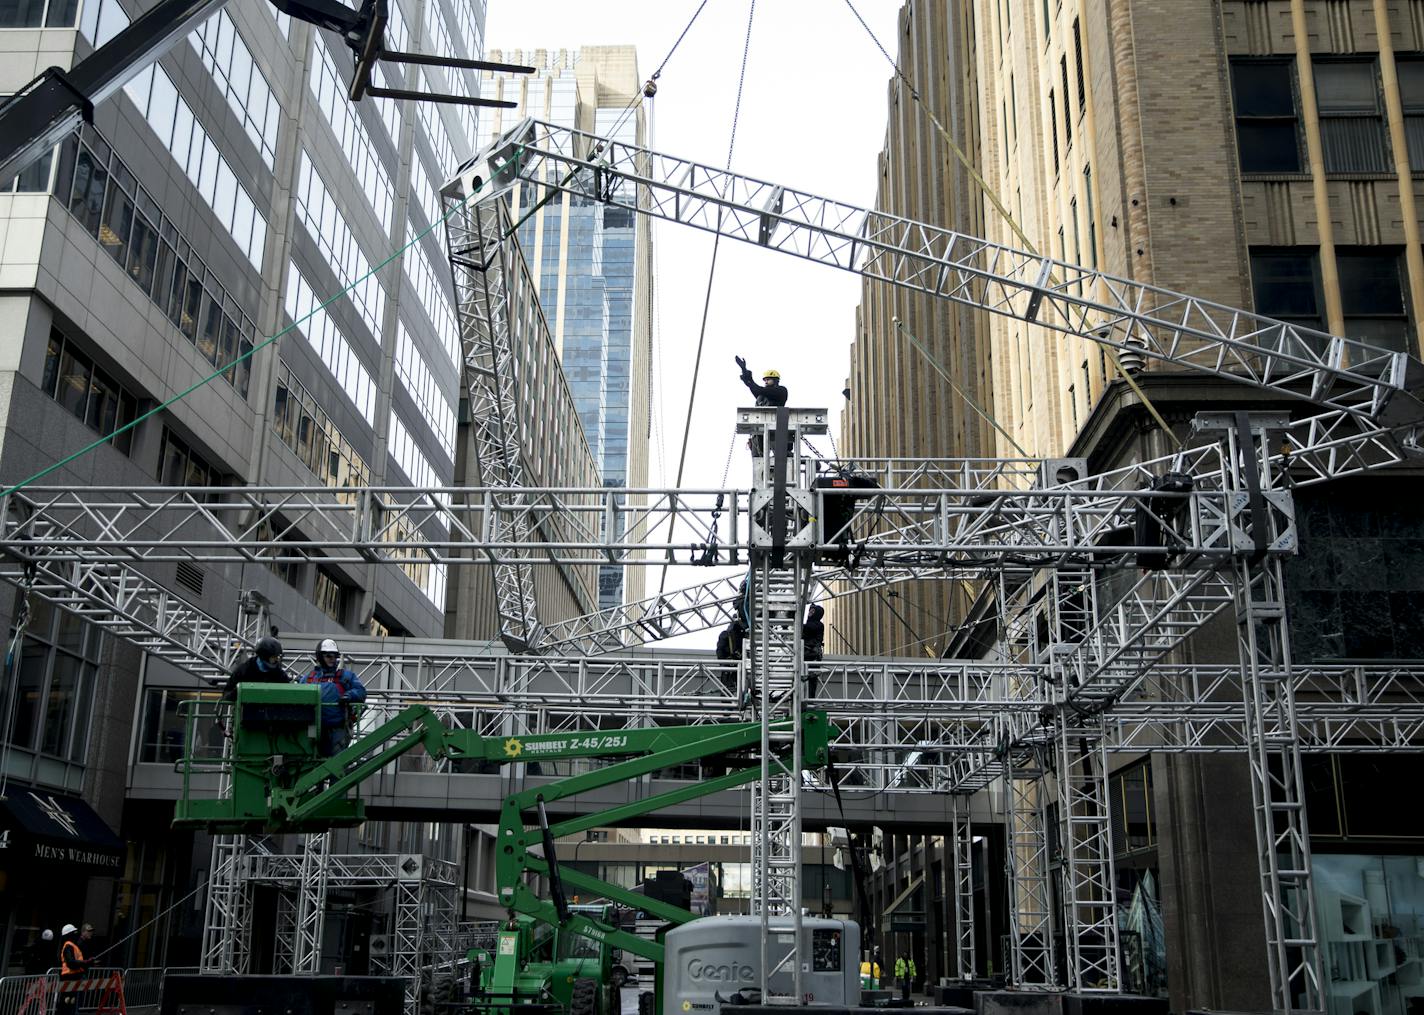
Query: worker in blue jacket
340,689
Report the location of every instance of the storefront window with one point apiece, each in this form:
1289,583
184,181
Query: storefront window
1372,926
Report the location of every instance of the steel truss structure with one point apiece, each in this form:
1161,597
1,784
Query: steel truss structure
424,904
1085,673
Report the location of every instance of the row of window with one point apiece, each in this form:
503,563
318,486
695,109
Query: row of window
333,348
298,419
423,190
430,578
432,296
351,135
178,130
434,124
420,382
408,455
1349,97
326,225
702,840
241,81
71,379
102,194
1286,285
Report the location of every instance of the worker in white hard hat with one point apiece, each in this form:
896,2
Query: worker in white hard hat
72,963
340,689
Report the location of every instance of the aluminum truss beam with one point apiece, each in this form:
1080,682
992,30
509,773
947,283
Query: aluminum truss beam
227,929
1089,905
1146,321
775,667
310,925
1031,918
962,848
965,532
494,295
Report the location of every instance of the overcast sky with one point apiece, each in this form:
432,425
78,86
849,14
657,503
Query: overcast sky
812,117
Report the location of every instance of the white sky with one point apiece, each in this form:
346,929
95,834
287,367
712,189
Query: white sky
812,117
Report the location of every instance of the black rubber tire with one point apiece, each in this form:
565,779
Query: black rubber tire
618,977
647,1000
584,1000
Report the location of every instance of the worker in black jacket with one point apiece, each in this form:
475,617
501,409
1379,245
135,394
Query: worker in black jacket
770,391
813,643
265,667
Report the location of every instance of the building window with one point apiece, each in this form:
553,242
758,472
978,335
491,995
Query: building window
1078,62
1285,285
47,701
1092,217
330,596
1067,105
1053,127
1134,823
1372,297
1351,121
1267,134
1411,95
38,13
72,380
180,465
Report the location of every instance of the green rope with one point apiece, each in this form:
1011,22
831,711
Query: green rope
247,355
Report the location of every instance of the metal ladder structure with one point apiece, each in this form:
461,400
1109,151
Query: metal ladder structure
1032,917
962,851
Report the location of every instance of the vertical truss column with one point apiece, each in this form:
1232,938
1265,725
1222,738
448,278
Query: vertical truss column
1089,910
962,848
227,929
1031,960
311,903
493,296
775,671
1273,746
409,938
284,955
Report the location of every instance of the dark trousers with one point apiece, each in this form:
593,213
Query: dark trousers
905,987
334,740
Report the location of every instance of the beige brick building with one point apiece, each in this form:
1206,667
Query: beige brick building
1266,154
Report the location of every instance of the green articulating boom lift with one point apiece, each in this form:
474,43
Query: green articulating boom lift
278,782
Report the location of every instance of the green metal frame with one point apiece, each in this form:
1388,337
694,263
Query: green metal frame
280,784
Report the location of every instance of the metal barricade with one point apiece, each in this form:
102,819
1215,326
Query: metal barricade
28,995
143,988
91,993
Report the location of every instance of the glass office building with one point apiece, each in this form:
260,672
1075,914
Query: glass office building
593,263
222,197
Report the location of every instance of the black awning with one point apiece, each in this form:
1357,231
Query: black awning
54,830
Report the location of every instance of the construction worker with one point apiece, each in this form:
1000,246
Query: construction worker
72,963
769,392
340,689
813,643
264,667
902,974
909,978
39,957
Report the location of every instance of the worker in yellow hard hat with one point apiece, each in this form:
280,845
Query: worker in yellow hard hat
770,391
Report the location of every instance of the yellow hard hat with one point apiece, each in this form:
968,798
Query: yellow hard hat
770,373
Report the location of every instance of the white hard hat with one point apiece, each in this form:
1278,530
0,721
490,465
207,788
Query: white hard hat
328,645
47,936
68,928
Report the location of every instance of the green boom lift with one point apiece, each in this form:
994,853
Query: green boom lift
278,782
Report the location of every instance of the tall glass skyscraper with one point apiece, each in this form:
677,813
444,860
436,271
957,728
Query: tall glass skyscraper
593,262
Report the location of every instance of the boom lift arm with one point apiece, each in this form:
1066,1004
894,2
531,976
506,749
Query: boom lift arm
280,784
